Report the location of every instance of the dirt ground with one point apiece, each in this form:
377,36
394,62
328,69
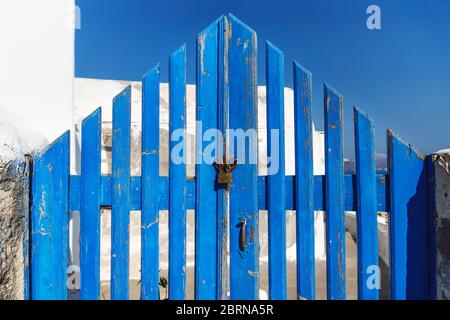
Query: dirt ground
351,275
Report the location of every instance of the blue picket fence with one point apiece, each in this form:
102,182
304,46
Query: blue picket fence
227,99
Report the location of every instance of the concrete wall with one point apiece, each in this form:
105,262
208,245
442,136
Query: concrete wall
14,196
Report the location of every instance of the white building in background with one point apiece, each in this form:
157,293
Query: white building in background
37,63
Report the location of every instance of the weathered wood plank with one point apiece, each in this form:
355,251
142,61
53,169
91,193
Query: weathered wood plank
334,180
366,215
150,186
223,196
242,84
276,180
206,203
120,215
408,223
90,206
304,183
177,175
49,221
319,197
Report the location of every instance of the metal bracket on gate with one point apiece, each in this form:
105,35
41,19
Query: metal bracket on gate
243,235
225,173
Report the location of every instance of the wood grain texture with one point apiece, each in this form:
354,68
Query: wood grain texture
150,186
383,203
242,86
90,206
366,215
206,200
304,183
177,177
120,197
334,189
408,224
276,180
50,221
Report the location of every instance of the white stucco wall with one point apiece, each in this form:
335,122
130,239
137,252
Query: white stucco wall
36,78
37,62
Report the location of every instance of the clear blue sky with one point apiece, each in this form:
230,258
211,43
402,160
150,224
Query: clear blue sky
400,74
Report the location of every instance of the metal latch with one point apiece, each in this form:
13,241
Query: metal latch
243,235
225,173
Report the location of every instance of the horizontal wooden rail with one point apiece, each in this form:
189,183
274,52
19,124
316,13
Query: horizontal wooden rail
319,199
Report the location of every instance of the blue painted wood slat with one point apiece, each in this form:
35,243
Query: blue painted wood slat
150,186
241,44
319,197
276,184
177,175
304,184
408,223
335,215
90,206
223,196
206,204
366,215
120,214
49,221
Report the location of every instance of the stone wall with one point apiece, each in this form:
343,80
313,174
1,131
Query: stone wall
441,162
14,182
18,140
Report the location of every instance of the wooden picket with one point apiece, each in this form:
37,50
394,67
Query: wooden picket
50,221
207,201
227,99
150,186
366,215
334,190
242,89
177,177
408,227
120,196
276,180
90,206
304,184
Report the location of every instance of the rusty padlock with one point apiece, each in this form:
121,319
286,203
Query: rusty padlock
225,178
225,173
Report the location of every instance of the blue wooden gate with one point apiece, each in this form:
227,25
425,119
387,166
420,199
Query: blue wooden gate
227,99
